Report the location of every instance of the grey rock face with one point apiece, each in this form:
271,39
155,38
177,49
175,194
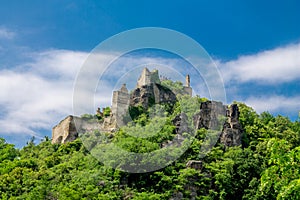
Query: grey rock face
180,122
210,115
216,116
153,93
232,130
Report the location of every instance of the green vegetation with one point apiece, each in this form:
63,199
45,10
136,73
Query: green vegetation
266,166
106,111
176,87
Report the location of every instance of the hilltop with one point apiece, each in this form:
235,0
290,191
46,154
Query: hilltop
249,155
152,91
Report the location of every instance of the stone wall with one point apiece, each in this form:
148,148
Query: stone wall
188,90
120,103
64,131
213,115
68,129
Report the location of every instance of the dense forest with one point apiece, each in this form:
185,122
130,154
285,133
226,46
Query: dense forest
265,166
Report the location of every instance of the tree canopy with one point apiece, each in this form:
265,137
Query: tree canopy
266,166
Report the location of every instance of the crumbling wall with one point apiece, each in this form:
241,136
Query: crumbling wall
148,77
120,103
64,131
68,129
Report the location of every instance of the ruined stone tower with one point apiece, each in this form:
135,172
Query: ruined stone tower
187,81
120,103
187,88
148,77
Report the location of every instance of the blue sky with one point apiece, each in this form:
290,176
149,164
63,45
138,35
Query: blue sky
256,45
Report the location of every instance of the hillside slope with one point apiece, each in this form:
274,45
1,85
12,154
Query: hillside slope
265,166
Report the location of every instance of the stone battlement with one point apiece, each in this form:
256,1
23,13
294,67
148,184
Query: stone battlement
148,77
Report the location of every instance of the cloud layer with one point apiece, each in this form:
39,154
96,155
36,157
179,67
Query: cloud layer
275,104
274,66
35,95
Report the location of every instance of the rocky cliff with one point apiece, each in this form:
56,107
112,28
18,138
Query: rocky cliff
232,129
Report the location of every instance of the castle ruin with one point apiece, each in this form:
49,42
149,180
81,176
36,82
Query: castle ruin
149,91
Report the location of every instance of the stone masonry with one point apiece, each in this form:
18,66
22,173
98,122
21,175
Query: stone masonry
148,77
64,131
69,128
120,103
187,88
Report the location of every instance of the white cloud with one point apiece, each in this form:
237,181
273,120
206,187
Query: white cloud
39,93
6,33
273,66
279,104
32,98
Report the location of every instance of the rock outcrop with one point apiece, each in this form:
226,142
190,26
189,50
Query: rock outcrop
149,91
216,116
181,124
210,115
232,130
150,94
